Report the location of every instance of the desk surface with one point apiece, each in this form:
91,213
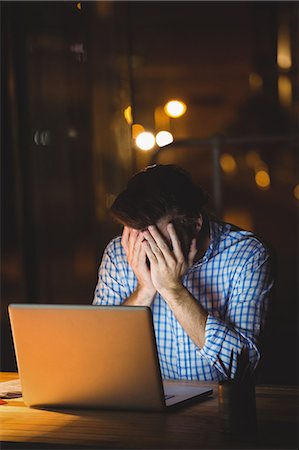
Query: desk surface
191,427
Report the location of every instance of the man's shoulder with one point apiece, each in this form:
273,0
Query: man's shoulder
228,235
115,248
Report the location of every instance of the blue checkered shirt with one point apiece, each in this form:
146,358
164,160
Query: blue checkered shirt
232,283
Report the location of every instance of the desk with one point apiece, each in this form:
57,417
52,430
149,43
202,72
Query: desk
191,427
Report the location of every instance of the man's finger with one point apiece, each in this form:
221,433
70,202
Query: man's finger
125,237
149,253
176,245
142,255
156,250
132,240
159,240
137,247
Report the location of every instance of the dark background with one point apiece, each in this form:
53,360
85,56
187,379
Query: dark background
68,71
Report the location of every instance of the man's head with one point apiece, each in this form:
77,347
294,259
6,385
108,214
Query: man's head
161,192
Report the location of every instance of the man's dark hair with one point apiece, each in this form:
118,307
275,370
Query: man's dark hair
158,191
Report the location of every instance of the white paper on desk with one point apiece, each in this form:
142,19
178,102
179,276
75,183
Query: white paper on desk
11,389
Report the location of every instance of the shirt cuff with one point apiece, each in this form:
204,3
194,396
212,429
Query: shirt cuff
215,333
221,339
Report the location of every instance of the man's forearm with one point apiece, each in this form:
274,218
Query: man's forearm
140,297
188,312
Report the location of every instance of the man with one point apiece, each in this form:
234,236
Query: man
207,282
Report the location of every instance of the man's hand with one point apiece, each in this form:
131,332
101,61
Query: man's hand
167,266
136,255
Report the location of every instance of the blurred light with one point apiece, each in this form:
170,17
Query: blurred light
255,81
162,121
11,268
128,115
175,108
145,140
228,163
284,59
164,138
42,137
36,137
79,51
79,5
253,159
104,9
296,191
285,90
136,129
72,133
77,48
262,179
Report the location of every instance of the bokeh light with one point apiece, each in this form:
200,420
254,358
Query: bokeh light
262,179
175,108
228,163
164,138
128,115
284,58
255,81
136,130
296,191
285,90
145,141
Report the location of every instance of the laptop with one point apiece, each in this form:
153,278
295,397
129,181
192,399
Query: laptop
92,357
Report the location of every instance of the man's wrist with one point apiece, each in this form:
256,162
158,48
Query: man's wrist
142,296
174,292
145,290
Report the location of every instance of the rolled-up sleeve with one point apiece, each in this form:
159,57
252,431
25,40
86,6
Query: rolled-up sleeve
245,315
